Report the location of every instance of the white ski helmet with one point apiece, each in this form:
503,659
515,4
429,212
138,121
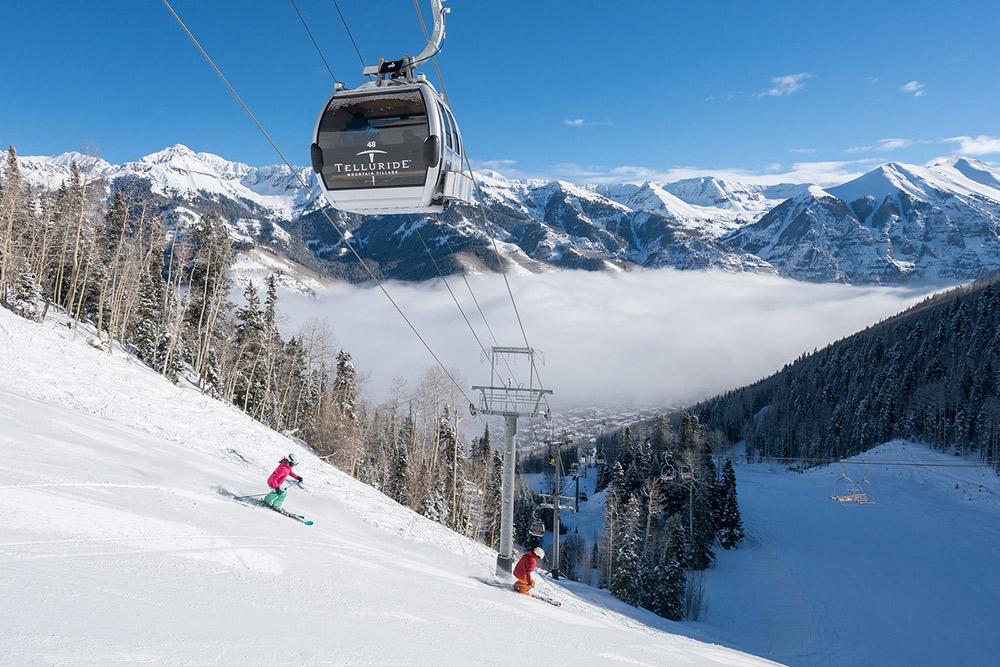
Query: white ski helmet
538,551
293,459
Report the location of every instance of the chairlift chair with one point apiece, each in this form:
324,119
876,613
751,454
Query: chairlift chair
537,528
686,474
601,459
669,473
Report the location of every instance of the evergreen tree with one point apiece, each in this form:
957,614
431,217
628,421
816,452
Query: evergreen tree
671,581
435,505
345,387
149,329
625,581
730,519
27,296
491,502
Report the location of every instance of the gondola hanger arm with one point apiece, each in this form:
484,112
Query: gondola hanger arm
405,66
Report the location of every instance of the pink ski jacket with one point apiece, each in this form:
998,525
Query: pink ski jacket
280,474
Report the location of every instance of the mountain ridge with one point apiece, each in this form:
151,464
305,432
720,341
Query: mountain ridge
897,223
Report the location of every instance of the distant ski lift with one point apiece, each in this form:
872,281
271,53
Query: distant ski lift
846,490
584,497
537,528
669,473
601,459
686,474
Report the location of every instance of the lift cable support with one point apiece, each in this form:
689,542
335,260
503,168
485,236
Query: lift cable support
554,501
510,401
476,187
305,186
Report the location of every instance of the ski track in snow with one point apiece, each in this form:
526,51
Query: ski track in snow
120,544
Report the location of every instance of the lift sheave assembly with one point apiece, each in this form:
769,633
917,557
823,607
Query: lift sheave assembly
392,145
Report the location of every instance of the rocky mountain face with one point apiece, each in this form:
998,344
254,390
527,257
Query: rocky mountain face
895,224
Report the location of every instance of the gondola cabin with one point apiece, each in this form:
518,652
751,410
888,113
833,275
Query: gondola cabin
390,147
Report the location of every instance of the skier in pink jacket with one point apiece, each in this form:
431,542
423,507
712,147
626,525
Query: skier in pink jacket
277,478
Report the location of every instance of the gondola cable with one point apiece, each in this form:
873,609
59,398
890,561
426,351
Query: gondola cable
350,35
416,227
451,249
305,186
313,40
479,191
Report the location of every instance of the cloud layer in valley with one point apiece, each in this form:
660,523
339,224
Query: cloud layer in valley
641,337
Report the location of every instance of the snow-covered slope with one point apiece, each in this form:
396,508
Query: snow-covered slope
907,581
122,543
910,580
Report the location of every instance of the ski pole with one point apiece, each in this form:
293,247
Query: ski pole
260,495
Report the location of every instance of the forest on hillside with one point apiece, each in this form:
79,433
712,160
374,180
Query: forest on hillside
931,374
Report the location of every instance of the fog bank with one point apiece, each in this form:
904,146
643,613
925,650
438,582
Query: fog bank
641,337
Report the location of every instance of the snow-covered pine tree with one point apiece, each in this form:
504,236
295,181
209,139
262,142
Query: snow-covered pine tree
730,519
670,582
435,505
148,328
491,502
625,582
345,387
27,295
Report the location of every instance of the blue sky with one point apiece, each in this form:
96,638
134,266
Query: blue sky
581,89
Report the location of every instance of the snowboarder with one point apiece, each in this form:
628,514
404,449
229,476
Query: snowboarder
277,478
524,569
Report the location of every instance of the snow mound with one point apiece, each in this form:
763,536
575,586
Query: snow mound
122,542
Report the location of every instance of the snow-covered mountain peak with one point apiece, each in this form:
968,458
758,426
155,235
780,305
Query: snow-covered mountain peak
712,191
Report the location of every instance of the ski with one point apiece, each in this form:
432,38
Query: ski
297,517
250,501
545,598
509,587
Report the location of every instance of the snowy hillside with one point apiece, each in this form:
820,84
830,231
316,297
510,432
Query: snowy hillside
909,580
122,542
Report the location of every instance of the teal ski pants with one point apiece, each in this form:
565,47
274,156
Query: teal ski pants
275,498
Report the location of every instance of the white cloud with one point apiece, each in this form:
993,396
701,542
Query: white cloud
820,173
649,337
580,122
882,145
802,151
872,79
915,88
981,145
773,167
494,164
786,85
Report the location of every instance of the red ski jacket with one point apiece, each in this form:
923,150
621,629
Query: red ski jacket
526,566
280,474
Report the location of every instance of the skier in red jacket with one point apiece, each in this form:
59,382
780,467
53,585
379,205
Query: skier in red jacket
524,569
277,478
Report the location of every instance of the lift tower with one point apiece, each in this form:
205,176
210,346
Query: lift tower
510,400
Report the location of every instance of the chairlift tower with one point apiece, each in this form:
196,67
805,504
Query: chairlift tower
510,401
